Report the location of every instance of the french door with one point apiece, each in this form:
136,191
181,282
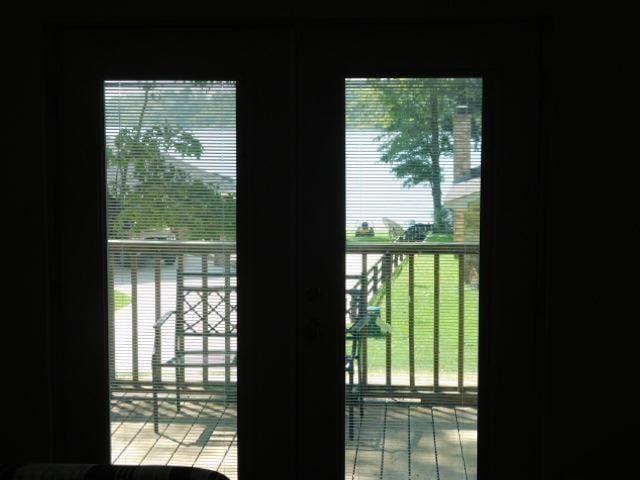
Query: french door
256,276
173,186
449,353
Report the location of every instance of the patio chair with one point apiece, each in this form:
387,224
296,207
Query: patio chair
395,229
417,232
204,334
355,334
353,366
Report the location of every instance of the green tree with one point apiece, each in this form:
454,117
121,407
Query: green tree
150,193
417,118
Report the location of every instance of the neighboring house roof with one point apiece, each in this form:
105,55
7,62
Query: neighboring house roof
473,172
462,193
222,183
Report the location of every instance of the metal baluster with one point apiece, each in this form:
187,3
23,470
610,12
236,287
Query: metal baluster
156,359
375,278
179,335
227,318
436,322
461,323
134,319
205,317
363,311
412,356
388,275
156,372
111,316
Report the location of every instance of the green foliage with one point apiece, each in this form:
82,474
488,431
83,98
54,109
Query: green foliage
444,220
420,122
361,100
120,299
150,193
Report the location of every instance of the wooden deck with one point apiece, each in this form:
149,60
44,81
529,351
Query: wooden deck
391,441
410,441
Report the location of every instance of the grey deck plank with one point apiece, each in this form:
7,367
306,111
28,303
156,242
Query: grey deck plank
170,436
146,438
450,464
396,443
468,432
160,450
350,444
222,435
423,453
229,465
115,426
369,443
204,434
177,457
196,438
122,440
127,432
121,410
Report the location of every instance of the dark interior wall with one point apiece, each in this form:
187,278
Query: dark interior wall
592,237
591,269
26,387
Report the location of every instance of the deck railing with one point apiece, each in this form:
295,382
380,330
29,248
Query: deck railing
166,265
383,269
393,265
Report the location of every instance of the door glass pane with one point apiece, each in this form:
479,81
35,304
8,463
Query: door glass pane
413,169
171,197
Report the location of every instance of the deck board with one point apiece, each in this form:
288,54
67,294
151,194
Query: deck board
468,432
145,439
449,453
349,456
174,424
221,436
129,426
229,465
168,441
391,441
195,439
370,438
423,454
396,443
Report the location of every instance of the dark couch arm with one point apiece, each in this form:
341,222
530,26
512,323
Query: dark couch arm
53,471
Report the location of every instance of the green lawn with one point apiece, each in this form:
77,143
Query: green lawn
383,237
120,299
440,238
424,307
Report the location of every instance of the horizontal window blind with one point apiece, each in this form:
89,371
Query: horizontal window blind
413,180
171,223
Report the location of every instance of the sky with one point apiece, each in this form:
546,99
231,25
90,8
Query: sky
373,191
